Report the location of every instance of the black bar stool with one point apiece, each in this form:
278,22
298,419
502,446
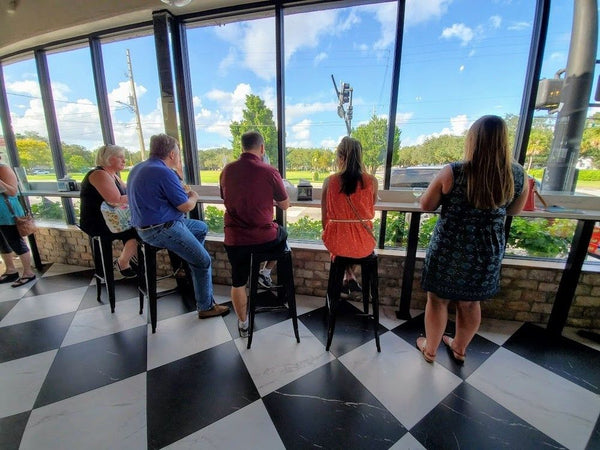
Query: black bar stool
147,279
370,290
103,268
285,289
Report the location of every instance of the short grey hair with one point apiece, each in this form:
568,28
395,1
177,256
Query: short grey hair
106,152
161,145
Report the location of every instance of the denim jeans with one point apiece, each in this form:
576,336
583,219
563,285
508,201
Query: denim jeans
185,238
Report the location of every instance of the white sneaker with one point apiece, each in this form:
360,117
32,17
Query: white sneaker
265,281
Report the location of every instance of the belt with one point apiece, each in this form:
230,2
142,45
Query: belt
158,225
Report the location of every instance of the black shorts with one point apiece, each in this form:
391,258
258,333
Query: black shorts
11,240
239,256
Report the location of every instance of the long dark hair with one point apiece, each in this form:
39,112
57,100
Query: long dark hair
349,154
490,182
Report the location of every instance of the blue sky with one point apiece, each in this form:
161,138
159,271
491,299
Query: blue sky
461,59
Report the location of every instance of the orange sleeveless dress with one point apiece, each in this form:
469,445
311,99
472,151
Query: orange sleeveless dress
344,235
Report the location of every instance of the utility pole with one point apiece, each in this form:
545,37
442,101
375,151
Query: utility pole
561,173
133,103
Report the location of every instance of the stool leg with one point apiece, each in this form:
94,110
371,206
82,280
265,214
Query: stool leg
150,269
336,276
291,292
254,269
140,275
365,276
107,266
374,282
98,266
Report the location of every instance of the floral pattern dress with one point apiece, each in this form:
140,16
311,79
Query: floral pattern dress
465,254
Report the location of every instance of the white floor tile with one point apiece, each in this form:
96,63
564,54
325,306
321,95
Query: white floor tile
250,428
8,293
308,303
563,410
276,359
498,331
21,382
60,269
408,442
96,322
400,378
111,417
42,306
182,336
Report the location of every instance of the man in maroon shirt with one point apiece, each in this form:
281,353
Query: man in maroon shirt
249,189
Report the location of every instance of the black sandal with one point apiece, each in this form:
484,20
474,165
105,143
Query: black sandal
9,277
128,272
23,280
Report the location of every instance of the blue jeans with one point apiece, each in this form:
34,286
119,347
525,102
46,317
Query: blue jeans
185,238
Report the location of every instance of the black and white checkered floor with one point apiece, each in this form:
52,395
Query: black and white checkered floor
75,376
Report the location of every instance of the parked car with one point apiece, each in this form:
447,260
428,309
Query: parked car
417,176
40,172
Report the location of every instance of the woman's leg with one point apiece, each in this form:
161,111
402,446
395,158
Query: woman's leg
468,319
436,317
129,251
8,262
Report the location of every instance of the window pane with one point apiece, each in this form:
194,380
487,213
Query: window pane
133,94
28,121
345,51
76,109
233,85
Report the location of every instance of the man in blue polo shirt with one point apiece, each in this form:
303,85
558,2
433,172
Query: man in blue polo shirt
249,188
158,203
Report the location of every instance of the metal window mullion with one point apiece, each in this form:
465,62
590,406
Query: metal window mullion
60,167
280,82
165,73
101,91
392,113
186,106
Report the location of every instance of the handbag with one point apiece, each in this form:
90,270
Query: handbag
117,218
25,224
360,219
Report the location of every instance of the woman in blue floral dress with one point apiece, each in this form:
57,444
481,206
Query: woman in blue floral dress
464,257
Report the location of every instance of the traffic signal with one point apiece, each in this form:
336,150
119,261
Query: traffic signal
345,93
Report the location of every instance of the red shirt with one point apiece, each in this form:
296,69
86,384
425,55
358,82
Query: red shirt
248,188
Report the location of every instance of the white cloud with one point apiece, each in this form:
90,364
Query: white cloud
495,21
402,118
301,130
26,87
330,143
320,57
295,111
227,62
420,11
459,31
461,68
196,102
518,26
458,125
122,93
386,16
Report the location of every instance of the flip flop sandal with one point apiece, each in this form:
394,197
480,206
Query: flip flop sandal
9,277
457,357
23,280
421,344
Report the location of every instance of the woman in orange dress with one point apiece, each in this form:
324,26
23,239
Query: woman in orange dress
348,208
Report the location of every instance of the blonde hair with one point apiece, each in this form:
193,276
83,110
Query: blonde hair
106,152
488,164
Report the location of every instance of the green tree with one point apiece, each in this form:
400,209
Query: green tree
256,116
538,149
214,158
34,152
373,137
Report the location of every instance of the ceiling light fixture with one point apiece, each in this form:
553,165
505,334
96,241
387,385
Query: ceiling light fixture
177,3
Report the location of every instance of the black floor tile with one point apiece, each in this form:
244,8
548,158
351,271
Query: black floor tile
468,419
171,305
329,408
5,307
11,430
89,365
63,282
36,336
569,359
191,393
352,327
478,351
125,289
594,442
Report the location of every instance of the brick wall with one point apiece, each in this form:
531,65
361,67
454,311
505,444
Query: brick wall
527,292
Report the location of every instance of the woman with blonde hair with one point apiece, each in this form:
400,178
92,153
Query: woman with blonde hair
102,183
463,261
347,209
